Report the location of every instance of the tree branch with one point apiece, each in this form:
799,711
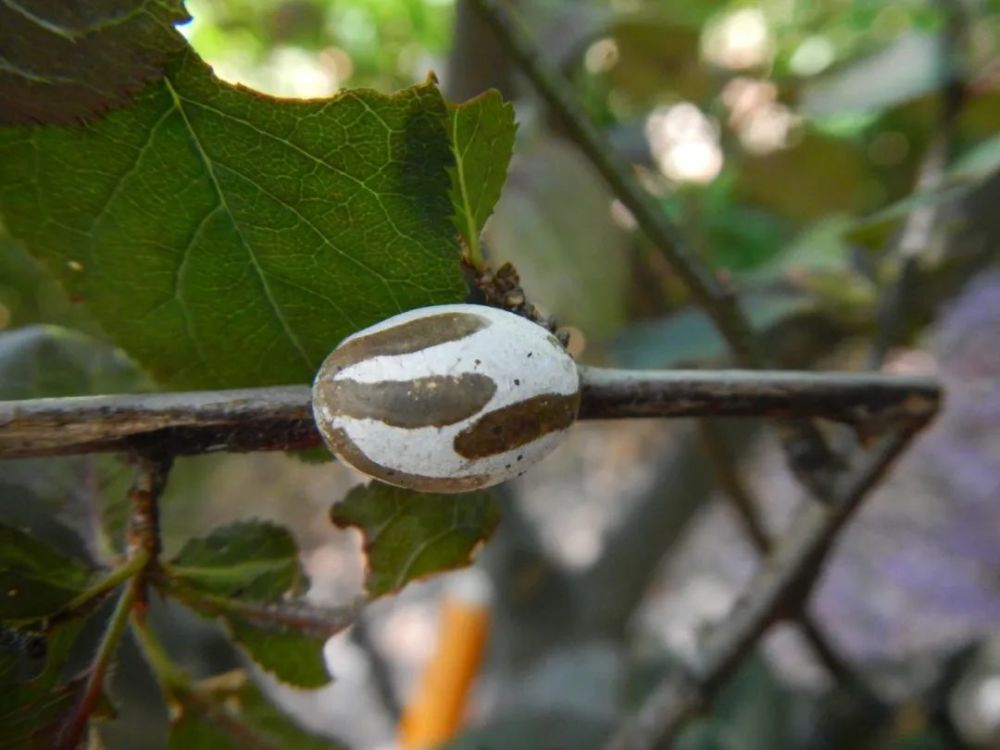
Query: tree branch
915,238
741,498
280,418
776,592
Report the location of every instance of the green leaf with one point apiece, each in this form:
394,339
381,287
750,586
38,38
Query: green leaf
242,574
29,294
978,162
233,239
68,61
32,707
482,136
285,638
251,560
35,580
229,712
409,535
291,656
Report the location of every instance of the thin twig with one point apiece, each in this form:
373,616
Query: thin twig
776,592
280,418
717,301
915,237
143,531
811,459
747,508
75,726
96,593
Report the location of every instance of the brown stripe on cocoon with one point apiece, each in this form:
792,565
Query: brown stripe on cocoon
433,401
518,424
405,338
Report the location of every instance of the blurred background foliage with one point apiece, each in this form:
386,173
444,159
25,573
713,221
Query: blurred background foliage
787,139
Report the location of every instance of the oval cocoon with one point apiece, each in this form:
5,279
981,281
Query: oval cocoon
448,398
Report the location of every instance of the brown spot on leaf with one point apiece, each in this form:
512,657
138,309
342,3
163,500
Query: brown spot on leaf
348,450
404,338
433,401
517,424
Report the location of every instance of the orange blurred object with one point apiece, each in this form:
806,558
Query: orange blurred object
435,712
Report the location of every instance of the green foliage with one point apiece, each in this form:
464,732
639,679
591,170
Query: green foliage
244,574
35,580
231,239
408,535
251,560
227,238
32,706
70,61
482,136
230,713
292,656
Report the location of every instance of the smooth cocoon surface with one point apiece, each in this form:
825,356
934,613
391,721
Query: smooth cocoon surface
446,399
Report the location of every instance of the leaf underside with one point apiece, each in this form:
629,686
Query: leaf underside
63,62
409,535
35,579
252,560
245,574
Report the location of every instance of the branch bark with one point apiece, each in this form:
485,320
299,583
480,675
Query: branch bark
280,418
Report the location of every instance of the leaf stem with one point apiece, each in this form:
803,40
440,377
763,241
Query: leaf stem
118,575
75,726
172,678
301,616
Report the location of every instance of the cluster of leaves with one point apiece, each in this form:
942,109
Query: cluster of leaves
221,238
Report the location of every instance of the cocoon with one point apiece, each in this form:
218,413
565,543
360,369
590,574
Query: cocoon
448,398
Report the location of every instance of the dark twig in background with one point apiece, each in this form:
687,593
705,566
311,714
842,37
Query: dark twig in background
717,301
777,592
810,457
916,237
740,497
781,588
